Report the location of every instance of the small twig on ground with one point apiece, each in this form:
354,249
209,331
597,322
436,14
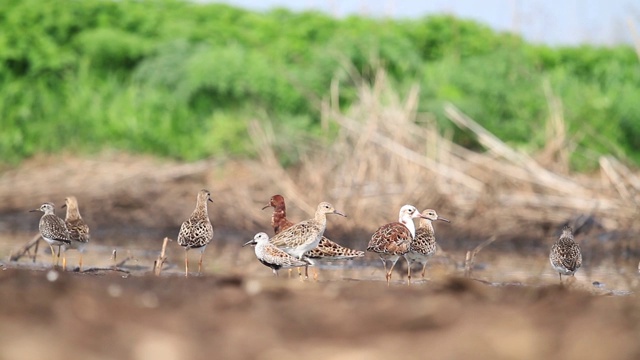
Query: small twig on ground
25,249
157,264
114,256
470,257
123,261
113,268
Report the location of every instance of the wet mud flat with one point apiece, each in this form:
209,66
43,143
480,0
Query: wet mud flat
110,314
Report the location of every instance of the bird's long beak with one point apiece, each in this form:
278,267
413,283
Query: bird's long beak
63,206
339,213
250,242
443,219
34,210
266,206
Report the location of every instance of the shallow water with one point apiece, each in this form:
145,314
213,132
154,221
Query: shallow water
495,268
620,277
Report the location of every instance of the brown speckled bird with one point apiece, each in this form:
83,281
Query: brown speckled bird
305,235
326,249
269,255
78,229
197,231
393,240
565,255
423,245
53,230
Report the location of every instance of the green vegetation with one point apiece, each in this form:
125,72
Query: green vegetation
181,80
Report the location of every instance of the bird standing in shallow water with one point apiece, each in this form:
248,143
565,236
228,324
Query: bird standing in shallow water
565,255
269,255
326,249
78,229
305,235
196,232
393,240
53,230
423,245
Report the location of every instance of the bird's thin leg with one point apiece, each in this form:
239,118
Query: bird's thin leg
387,276
53,255
384,263
200,263
35,251
393,264
186,263
80,262
424,269
306,271
315,274
408,271
58,256
275,272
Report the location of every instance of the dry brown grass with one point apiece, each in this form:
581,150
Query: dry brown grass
383,159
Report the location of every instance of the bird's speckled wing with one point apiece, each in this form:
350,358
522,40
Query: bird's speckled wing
272,255
78,230
330,250
393,238
54,228
298,234
567,256
424,243
195,233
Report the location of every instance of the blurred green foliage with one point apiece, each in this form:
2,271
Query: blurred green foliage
181,80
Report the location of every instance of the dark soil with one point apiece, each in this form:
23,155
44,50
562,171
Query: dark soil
81,316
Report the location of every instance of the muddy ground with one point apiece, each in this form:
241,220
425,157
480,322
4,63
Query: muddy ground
237,309
108,315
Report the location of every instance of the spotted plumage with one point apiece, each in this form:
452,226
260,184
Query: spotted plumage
196,232
326,249
393,240
565,255
78,229
329,250
304,236
270,256
53,230
423,245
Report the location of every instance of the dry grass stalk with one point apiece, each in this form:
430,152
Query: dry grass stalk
555,154
614,177
381,156
471,255
537,173
162,258
274,170
26,249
